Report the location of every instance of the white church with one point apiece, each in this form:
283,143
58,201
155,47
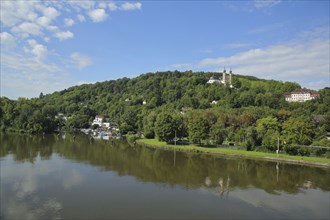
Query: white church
226,79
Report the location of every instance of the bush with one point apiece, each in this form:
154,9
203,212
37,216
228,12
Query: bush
291,150
304,151
320,151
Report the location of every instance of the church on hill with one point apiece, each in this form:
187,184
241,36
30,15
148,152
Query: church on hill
226,78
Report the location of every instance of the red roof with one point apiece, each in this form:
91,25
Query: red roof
303,91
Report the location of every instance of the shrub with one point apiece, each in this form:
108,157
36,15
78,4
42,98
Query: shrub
291,150
304,151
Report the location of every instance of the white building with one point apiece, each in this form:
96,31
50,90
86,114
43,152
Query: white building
214,79
99,121
301,95
226,79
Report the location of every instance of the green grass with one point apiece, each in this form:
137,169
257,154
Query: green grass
238,153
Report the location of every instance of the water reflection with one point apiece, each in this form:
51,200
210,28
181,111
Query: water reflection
49,168
19,190
170,167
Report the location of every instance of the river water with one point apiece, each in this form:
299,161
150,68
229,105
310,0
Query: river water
56,177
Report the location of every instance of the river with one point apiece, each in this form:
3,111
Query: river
55,177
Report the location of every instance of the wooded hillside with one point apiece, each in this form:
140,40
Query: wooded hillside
254,112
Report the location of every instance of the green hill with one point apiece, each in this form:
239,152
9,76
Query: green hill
254,107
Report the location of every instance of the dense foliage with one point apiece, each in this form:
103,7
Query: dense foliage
168,104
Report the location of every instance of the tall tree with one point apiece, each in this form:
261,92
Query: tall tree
165,127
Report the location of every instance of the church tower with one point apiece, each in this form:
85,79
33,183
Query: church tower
230,76
224,75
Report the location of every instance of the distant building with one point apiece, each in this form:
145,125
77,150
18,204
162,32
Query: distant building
99,121
61,116
226,78
301,95
214,79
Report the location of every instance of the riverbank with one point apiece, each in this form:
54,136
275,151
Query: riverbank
303,160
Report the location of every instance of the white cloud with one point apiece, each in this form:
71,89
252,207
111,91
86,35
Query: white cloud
82,5
317,33
27,28
7,40
305,62
43,21
23,75
291,62
102,5
13,12
98,15
126,6
112,6
265,3
39,50
80,61
131,6
81,18
28,63
68,22
50,12
64,35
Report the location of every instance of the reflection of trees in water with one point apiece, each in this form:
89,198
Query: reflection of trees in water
188,170
25,147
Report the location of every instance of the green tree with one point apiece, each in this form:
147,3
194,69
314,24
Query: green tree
218,132
251,139
298,131
165,127
198,128
149,125
265,124
268,132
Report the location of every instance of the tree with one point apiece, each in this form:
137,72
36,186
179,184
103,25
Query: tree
198,128
298,131
268,131
218,132
251,139
149,125
236,83
270,140
266,124
165,127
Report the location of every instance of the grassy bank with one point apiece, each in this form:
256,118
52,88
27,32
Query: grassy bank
315,161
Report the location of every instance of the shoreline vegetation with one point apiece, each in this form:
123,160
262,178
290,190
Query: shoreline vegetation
302,160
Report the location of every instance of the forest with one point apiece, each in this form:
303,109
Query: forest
167,105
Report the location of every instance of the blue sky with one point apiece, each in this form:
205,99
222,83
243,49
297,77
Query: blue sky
48,46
